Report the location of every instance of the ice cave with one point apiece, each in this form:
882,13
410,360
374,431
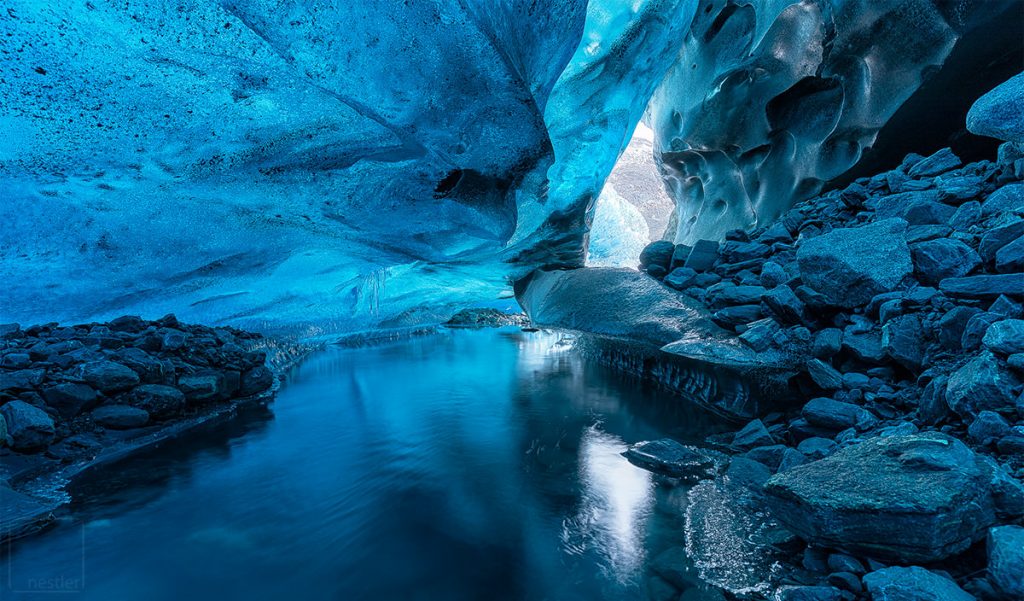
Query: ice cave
672,300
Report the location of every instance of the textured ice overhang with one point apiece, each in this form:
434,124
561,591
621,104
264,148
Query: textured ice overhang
770,99
272,161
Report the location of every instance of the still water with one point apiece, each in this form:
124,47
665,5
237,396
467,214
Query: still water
462,465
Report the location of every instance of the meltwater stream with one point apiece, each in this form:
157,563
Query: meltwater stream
461,465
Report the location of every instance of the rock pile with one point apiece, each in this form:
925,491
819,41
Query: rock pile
66,390
900,296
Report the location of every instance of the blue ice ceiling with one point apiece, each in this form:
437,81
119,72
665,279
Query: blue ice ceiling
271,163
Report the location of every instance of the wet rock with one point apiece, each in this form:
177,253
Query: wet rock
159,401
70,399
120,417
982,383
984,286
108,376
930,488
1005,337
824,375
912,584
936,260
202,387
1005,545
850,266
670,458
997,114
837,415
29,428
256,380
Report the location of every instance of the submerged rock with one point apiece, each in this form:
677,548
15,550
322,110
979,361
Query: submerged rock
938,494
850,266
670,458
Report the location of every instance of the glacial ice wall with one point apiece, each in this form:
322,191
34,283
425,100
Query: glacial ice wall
770,99
270,162
275,160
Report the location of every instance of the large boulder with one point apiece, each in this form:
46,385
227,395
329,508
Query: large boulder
256,380
108,376
1000,113
982,383
70,398
1006,560
850,266
912,584
930,488
1006,337
203,386
29,428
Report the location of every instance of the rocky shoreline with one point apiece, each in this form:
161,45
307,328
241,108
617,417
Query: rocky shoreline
898,302
72,397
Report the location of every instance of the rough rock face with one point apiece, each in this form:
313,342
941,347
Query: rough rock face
1006,560
933,490
997,114
851,266
912,584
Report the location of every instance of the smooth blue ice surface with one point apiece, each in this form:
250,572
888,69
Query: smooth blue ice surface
463,466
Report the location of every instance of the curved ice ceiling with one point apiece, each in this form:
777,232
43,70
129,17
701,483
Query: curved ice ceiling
280,162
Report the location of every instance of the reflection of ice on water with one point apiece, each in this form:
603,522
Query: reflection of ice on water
617,499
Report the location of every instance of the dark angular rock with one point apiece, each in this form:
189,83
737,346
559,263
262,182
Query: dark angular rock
1008,199
966,217
827,343
732,316
70,399
670,458
127,323
736,252
1005,545
1007,308
988,427
824,375
173,340
845,581
680,278
937,260
984,286
866,347
120,417
816,447
932,406
922,233
256,380
202,387
28,428
1005,337
679,255
951,325
656,271
108,376
159,401
759,334
974,331
850,266
22,379
725,295
783,303
16,361
912,584
996,238
1010,258
982,383
937,164
933,490
754,434
703,255
657,253
837,415
903,340
149,368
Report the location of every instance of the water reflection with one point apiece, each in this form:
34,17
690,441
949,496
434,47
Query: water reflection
467,465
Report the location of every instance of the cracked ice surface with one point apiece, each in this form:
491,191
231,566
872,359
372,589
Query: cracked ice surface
271,161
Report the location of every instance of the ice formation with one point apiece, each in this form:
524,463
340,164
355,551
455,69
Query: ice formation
276,162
